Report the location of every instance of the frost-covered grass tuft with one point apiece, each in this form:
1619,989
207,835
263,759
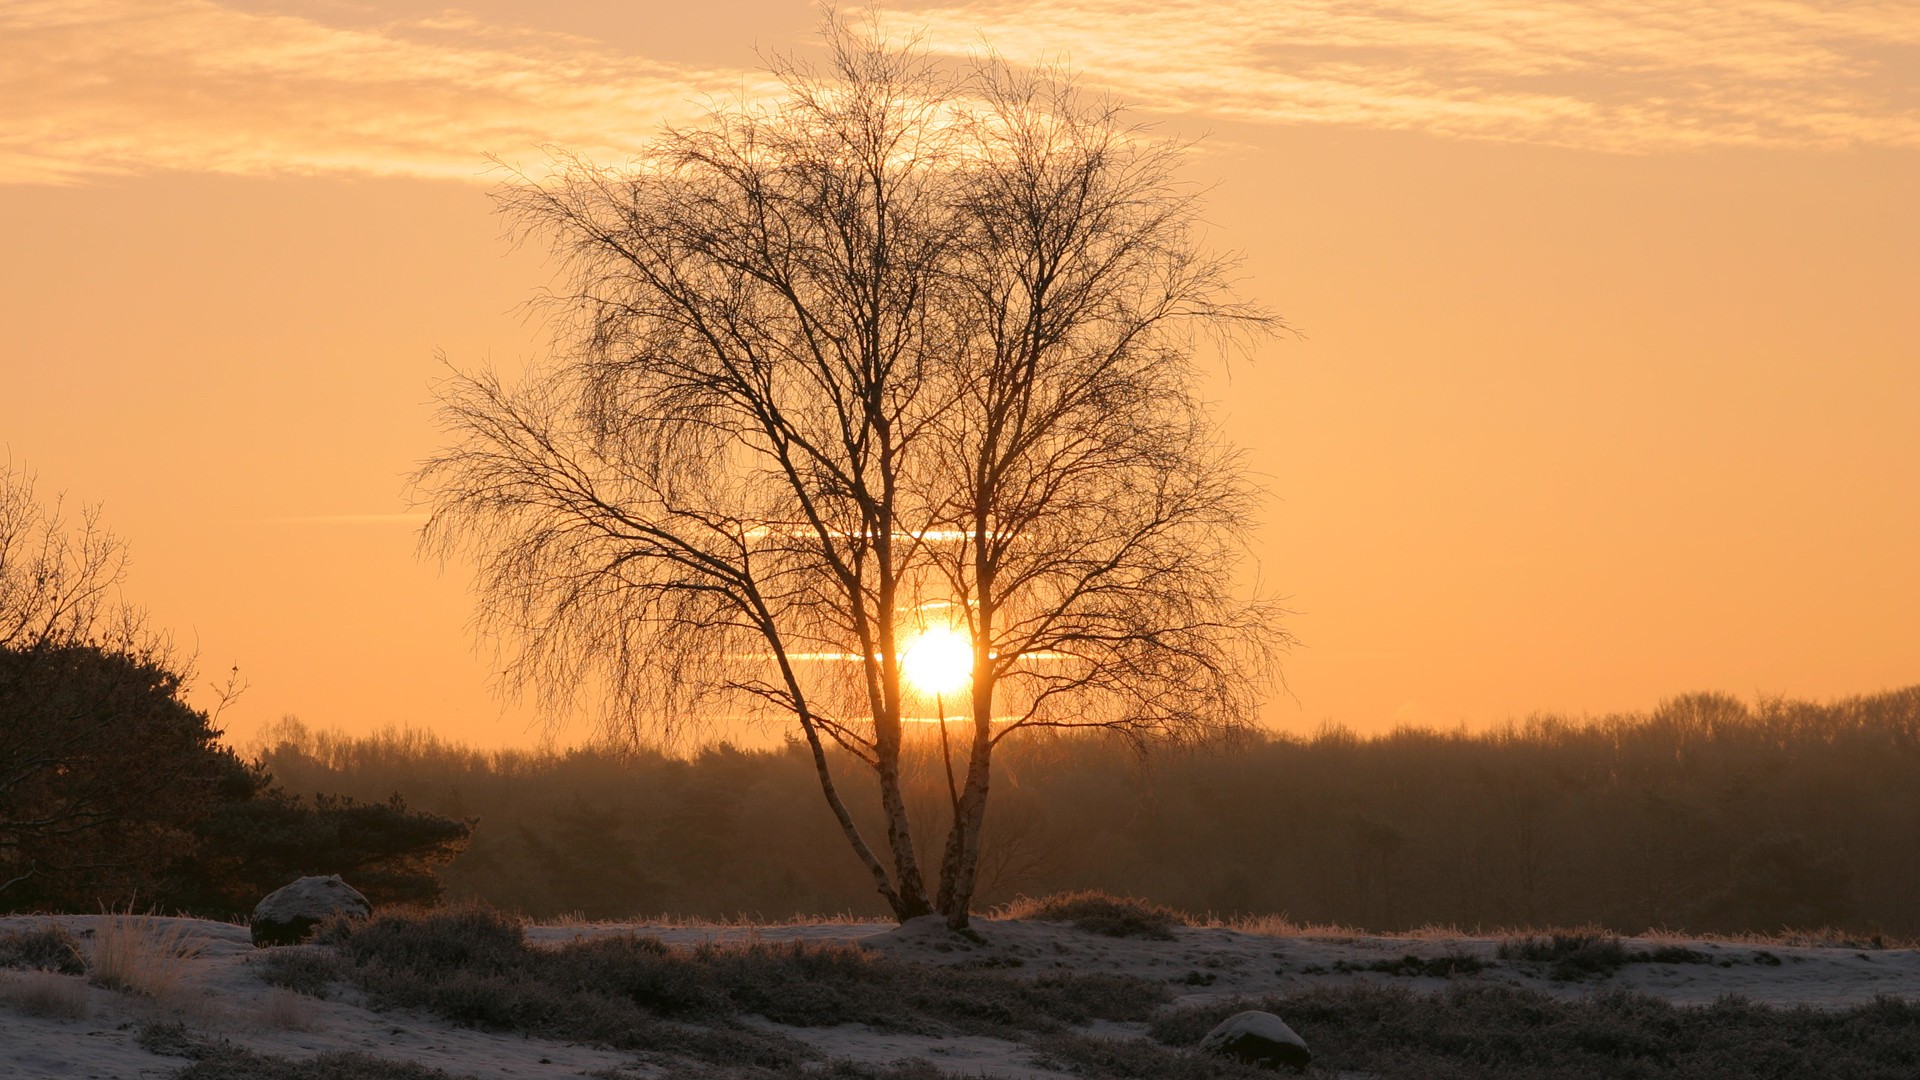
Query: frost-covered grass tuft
1569,954
45,993
141,954
1100,913
44,948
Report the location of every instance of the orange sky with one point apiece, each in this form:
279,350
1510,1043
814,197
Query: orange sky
1608,392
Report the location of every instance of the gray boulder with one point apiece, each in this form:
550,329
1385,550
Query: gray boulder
1258,1038
286,916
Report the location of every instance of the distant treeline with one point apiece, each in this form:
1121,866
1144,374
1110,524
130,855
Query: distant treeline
1705,815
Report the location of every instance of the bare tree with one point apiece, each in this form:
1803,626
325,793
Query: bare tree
84,682
1098,516
55,584
59,578
900,346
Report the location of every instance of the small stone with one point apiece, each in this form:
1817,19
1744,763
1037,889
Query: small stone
1258,1038
287,915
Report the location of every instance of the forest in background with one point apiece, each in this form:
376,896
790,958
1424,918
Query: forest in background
1706,814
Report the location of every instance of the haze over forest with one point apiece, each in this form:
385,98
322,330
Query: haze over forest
1605,393
1706,814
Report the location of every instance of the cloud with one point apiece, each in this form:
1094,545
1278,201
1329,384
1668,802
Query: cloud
97,88
92,88
1610,75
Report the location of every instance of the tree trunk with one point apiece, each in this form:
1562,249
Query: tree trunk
872,862
960,865
906,867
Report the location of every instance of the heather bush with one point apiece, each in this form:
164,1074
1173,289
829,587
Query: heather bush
1100,913
301,969
1569,955
473,966
222,1060
909,1069
44,948
1135,1059
45,993
1491,1032
1448,966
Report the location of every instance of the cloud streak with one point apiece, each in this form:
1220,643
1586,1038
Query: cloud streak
99,88
1609,75
93,88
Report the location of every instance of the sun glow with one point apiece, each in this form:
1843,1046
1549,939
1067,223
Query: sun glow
939,661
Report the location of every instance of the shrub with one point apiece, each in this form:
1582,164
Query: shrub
467,937
234,1063
47,948
1572,954
909,1069
1676,954
1438,967
1101,913
1135,1059
224,1061
635,992
1490,1032
472,966
303,970
46,993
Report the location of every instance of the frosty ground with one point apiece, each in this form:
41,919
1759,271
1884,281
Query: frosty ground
219,999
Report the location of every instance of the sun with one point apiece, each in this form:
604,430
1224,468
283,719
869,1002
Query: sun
939,661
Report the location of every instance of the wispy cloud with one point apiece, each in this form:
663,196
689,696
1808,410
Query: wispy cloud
1614,75
92,88
103,87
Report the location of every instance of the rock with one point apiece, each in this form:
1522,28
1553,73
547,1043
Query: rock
286,916
1258,1038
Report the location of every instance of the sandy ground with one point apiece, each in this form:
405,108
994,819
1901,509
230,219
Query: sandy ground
221,994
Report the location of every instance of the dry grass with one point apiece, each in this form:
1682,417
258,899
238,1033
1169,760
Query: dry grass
1100,913
46,994
739,921
141,954
44,948
1096,910
1132,916
1823,938
1066,907
1282,926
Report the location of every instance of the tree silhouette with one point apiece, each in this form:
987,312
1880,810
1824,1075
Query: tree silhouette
905,352
59,577
112,784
